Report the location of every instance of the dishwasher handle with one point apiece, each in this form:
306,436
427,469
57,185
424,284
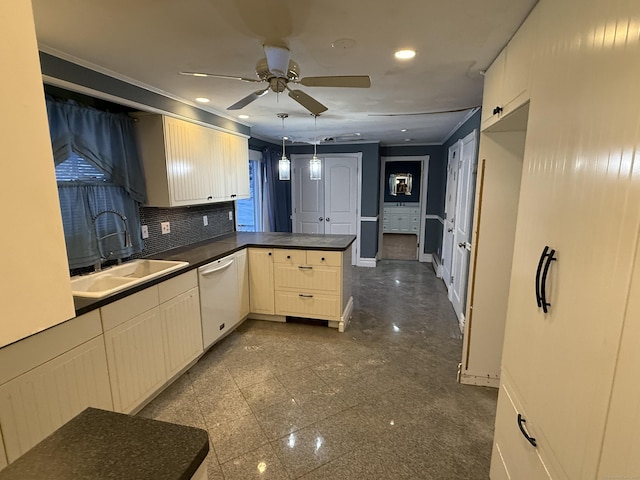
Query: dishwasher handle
206,270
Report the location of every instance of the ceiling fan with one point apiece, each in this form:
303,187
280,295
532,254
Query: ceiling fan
278,70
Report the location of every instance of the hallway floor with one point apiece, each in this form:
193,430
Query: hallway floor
380,401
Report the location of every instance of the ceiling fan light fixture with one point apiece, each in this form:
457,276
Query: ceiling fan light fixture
277,60
202,100
405,54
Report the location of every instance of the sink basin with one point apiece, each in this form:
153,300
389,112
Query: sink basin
114,279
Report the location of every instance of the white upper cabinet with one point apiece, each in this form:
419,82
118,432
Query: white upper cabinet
506,83
34,260
189,164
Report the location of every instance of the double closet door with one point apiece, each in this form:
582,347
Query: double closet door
328,205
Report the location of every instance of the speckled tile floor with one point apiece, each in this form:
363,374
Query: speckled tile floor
380,401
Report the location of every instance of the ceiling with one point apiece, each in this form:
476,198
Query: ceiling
148,42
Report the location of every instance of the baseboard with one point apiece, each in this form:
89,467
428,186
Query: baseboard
485,381
367,262
437,266
346,316
270,318
461,323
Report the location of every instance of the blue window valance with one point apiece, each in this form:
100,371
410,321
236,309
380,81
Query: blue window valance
102,138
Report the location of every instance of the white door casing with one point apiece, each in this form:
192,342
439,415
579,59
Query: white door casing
450,212
462,229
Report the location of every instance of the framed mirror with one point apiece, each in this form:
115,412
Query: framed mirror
400,184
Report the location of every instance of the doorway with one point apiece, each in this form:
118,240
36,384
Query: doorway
403,198
328,205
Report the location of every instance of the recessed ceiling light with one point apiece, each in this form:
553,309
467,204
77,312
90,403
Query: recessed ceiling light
403,130
200,75
202,100
405,54
407,139
243,116
358,134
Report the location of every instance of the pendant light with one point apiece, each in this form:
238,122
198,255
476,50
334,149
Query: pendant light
284,165
315,165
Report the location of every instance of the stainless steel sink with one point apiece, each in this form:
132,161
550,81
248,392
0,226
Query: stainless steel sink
114,279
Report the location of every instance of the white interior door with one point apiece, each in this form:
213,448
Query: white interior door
308,199
462,229
450,212
328,205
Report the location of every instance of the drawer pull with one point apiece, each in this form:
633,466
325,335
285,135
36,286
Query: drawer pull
305,296
305,267
521,421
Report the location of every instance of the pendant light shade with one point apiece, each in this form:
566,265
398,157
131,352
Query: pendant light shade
284,165
315,165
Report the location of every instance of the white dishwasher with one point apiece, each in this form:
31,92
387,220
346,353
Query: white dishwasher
219,298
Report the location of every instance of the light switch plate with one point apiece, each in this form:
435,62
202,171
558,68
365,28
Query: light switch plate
145,231
166,227
205,220
230,215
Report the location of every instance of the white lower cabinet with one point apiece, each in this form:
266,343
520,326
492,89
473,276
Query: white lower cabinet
40,400
150,336
136,360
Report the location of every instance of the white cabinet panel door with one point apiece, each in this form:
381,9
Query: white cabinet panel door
36,403
136,360
181,330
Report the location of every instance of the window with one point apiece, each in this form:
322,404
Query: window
249,211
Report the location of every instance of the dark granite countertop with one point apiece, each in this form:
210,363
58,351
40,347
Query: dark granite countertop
201,253
102,445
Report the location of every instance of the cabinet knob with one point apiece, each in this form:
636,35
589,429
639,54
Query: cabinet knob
497,110
269,253
322,259
288,257
209,197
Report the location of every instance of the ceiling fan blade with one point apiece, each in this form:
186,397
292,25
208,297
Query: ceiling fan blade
421,113
248,99
215,75
310,103
277,60
354,81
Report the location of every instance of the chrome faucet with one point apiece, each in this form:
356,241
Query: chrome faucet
127,238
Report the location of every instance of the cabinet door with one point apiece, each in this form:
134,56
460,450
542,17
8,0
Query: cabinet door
517,71
189,167
236,166
136,360
36,403
492,95
261,290
242,265
181,330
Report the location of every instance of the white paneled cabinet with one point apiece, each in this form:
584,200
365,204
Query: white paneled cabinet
190,164
45,396
261,291
150,336
507,80
401,219
242,262
573,369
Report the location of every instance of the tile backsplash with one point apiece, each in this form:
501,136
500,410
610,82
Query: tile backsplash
186,225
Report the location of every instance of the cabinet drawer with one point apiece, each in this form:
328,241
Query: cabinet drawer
511,450
319,257
308,305
177,285
307,278
120,311
290,256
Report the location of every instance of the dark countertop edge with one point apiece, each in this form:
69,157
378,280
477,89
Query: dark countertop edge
86,305
69,438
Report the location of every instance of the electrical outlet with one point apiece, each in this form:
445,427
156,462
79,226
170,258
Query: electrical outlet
166,227
205,220
230,215
145,231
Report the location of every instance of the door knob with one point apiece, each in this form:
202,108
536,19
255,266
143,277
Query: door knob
327,219
462,244
449,230
320,219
